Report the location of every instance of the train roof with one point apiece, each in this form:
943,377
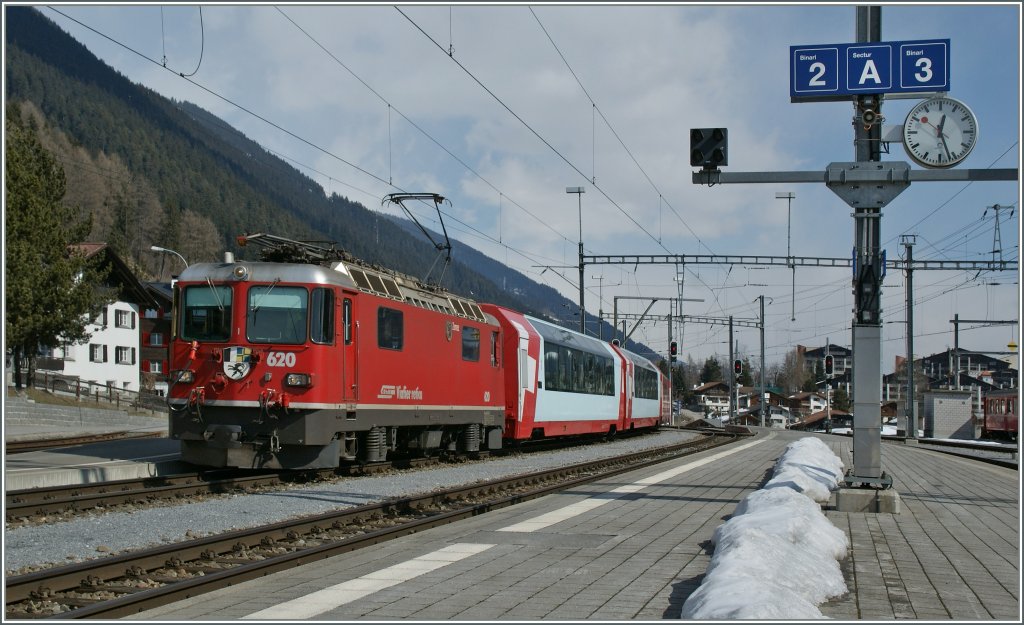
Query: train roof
347,273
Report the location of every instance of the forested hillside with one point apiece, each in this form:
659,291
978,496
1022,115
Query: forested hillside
153,171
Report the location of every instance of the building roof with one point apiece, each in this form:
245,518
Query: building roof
130,289
709,386
815,417
806,395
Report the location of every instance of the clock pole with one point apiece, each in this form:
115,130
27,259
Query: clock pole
867,281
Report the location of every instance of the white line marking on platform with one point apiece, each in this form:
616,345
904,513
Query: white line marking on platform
556,516
327,599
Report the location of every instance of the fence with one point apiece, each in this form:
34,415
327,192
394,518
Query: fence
84,390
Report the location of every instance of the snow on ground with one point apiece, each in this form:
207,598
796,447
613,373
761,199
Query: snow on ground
778,556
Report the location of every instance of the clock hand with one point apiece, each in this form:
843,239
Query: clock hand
945,147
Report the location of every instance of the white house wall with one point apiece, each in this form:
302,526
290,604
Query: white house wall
123,376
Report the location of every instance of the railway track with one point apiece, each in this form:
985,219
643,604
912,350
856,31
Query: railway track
23,446
31,505
121,585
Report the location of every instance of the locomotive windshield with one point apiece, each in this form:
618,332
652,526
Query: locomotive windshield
207,313
276,314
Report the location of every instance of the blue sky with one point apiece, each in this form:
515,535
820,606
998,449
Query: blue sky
603,96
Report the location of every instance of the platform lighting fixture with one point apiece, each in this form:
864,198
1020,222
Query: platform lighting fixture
164,250
579,191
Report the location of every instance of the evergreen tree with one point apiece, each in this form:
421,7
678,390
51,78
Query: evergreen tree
746,376
712,371
51,290
840,400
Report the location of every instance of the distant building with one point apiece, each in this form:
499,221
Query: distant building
842,365
953,369
713,398
947,414
110,358
154,339
803,404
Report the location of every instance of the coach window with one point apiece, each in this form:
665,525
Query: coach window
471,343
389,328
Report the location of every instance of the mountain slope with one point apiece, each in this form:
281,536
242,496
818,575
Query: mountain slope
197,165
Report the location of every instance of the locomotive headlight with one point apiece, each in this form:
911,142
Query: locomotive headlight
183,376
240,272
304,380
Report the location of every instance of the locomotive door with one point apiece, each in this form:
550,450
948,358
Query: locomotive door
349,386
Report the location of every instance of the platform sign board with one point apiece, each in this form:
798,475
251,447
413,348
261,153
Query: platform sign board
843,70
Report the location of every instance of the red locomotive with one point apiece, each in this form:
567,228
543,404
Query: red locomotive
305,364
1001,413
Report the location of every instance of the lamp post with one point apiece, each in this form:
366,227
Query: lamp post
600,304
788,196
579,191
164,250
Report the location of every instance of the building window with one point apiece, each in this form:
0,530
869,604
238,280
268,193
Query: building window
151,313
156,339
124,319
97,353
154,366
125,355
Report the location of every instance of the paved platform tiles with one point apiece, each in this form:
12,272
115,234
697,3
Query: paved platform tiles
636,546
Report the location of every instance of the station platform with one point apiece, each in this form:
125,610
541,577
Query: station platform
637,545
25,420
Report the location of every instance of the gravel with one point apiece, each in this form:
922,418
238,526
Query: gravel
105,534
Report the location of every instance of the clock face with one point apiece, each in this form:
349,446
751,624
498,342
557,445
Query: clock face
940,132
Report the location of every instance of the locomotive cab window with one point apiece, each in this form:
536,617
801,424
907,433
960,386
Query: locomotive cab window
206,314
390,328
471,343
321,316
276,314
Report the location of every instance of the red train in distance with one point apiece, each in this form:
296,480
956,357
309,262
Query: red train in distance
1002,410
284,364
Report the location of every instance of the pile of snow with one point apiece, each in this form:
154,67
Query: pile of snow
778,556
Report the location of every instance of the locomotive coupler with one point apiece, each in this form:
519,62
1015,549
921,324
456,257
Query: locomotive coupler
267,402
275,444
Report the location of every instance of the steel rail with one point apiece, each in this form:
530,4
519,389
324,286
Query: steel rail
39,444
